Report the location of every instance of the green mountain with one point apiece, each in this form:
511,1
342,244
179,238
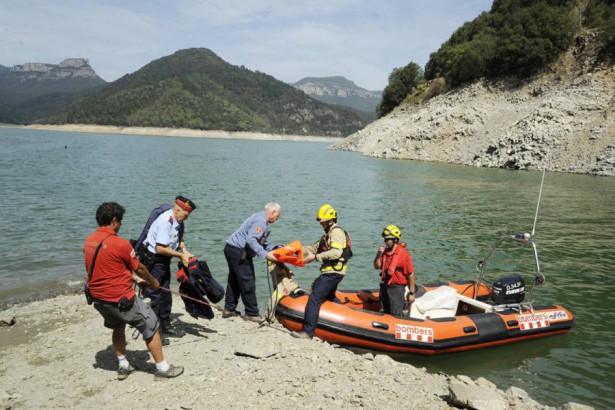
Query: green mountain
194,88
32,91
341,91
521,39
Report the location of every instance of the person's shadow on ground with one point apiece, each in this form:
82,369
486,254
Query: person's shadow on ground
195,329
139,359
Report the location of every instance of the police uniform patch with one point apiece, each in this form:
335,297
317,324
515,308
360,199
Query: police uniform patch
259,230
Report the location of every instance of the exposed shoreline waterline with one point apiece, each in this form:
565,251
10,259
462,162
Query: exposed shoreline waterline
174,132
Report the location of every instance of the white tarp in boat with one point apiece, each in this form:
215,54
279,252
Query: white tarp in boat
440,302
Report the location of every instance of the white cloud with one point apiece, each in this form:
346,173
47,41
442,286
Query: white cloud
362,40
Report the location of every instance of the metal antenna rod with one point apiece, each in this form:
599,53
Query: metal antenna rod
539,197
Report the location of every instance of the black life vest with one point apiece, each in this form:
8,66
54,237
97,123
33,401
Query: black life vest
325,245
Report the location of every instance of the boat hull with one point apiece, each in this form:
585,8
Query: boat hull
360,325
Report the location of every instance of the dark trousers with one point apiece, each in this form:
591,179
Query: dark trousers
241,281
161,301
323,288
392,299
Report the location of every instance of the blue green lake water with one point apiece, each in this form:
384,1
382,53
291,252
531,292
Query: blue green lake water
52,182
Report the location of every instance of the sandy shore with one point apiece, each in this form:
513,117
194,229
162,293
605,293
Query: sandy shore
176,132
57,354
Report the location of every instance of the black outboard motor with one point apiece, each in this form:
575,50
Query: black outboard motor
508,290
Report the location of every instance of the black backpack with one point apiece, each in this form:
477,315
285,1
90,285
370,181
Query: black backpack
136,244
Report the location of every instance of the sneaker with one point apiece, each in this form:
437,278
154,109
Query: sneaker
168,329
230,313
173,371
300,335
123,372
256,319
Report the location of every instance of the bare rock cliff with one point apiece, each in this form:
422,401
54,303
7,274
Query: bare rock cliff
564,120
70,67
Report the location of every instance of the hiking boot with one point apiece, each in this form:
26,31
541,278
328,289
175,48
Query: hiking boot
173,371
300,335
256,319
123,372
167,328
230,313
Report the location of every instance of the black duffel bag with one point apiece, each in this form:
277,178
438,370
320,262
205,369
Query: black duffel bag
198,283
199,272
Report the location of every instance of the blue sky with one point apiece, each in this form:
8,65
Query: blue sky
363,40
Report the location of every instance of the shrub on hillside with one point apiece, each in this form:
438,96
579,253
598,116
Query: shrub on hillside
517,37
401,82
600,14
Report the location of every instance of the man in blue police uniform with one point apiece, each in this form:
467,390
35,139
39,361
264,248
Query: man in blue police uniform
246,242
165,241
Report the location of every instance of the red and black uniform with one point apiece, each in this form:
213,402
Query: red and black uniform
396,267
116,260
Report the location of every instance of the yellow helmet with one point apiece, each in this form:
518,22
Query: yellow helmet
391,232
326,213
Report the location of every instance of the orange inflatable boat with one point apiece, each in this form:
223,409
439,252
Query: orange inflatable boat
445,318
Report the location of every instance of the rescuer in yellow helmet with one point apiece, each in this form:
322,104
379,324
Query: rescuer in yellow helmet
333,250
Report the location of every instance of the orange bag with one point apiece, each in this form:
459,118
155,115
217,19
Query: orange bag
291,254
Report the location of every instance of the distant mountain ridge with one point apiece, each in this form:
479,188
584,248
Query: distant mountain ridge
194,88
34,90
338,90
68,68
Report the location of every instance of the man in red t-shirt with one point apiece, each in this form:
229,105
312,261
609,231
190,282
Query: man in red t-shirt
110,261
396,272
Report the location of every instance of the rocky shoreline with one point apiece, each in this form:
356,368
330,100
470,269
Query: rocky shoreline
562,121
56,353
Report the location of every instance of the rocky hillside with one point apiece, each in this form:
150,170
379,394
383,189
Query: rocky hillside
563,120
195,88
31,91
70,67
340,91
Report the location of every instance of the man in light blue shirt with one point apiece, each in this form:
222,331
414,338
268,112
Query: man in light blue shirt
246,242
165,241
